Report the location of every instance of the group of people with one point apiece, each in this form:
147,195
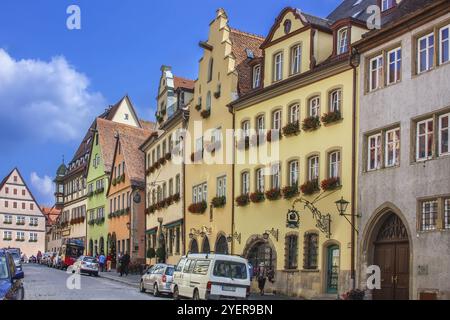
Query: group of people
105,262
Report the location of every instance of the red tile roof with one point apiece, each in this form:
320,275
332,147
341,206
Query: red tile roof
184,83
241,42
51,214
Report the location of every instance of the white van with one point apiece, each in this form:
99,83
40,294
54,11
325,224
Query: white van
211,276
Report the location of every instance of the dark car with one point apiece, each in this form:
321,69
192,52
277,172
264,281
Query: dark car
15,253
11,287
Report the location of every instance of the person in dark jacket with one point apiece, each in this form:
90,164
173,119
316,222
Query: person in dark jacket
124,264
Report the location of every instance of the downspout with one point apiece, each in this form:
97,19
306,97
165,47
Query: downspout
354,62
183,182
232,182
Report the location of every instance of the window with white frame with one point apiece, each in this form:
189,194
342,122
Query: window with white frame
260,124
33,236
199,144
20,235
314,106
447,213
222,186
296,58
199,193
394,67
444,44
276,178
177,184
334,164
392,147
246,128
376,73
278,66
216,136
342,40
335,100
374,152
429,215
293,173
8,219
387,4
245,183
33,221
256,76
294,112
425,137
260,182
7,235
20,220
164,190
208,100
170,187
313,168
444,129
425,52
276,120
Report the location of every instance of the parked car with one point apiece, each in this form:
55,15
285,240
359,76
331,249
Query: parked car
11,287
85,264
158,278
211,276
15,253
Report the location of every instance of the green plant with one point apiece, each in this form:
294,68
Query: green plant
151,253
257,197
242,200
273,194
290,192
205,114
310,187
219,202
161,254
292,128
90,194
198,107
331,117
168,156
311,123
114,181
176,197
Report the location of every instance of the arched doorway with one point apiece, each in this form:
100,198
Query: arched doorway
221,245
205,247
332,268
391,254
193,246
262,252
102,246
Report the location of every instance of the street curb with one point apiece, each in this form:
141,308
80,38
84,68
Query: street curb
131,284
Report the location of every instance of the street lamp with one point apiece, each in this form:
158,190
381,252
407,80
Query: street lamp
342,206
274,233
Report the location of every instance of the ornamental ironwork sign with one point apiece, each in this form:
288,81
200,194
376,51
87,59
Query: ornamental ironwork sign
323,221
293,219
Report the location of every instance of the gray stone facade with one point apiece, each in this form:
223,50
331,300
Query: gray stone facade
401,189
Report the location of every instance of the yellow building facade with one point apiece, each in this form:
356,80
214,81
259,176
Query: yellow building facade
209,170
286,216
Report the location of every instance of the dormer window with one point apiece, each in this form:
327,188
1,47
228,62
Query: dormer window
387,4
256,76
342,40
126,116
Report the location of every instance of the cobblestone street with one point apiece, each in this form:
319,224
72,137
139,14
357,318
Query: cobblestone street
42,283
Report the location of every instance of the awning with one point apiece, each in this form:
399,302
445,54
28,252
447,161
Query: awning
173,224
152,231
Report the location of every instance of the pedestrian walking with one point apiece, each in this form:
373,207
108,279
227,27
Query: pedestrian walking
39,257
108,263
101,262
262,275
119,263
125,263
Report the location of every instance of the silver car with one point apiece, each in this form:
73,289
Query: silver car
158,278
86,264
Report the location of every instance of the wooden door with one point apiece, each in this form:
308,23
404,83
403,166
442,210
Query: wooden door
385,259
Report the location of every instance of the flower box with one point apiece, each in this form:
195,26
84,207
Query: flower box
290,192
330,184
168,156
20,240
310,187
20,223
196,156
273,194
272,135
198,207
242,200
198,107
91,222
257,197
152,169
162,161
219,202
176,197
291,129
205,114
217,94
113,182
91,193
121,178
311,123
32,241
7,239
100,190
7,222
100,221
331,117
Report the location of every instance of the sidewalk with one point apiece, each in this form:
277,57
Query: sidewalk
131,279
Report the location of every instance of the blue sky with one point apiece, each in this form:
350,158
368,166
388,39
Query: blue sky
53,81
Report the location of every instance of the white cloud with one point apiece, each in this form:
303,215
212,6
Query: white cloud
44,101
43,186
